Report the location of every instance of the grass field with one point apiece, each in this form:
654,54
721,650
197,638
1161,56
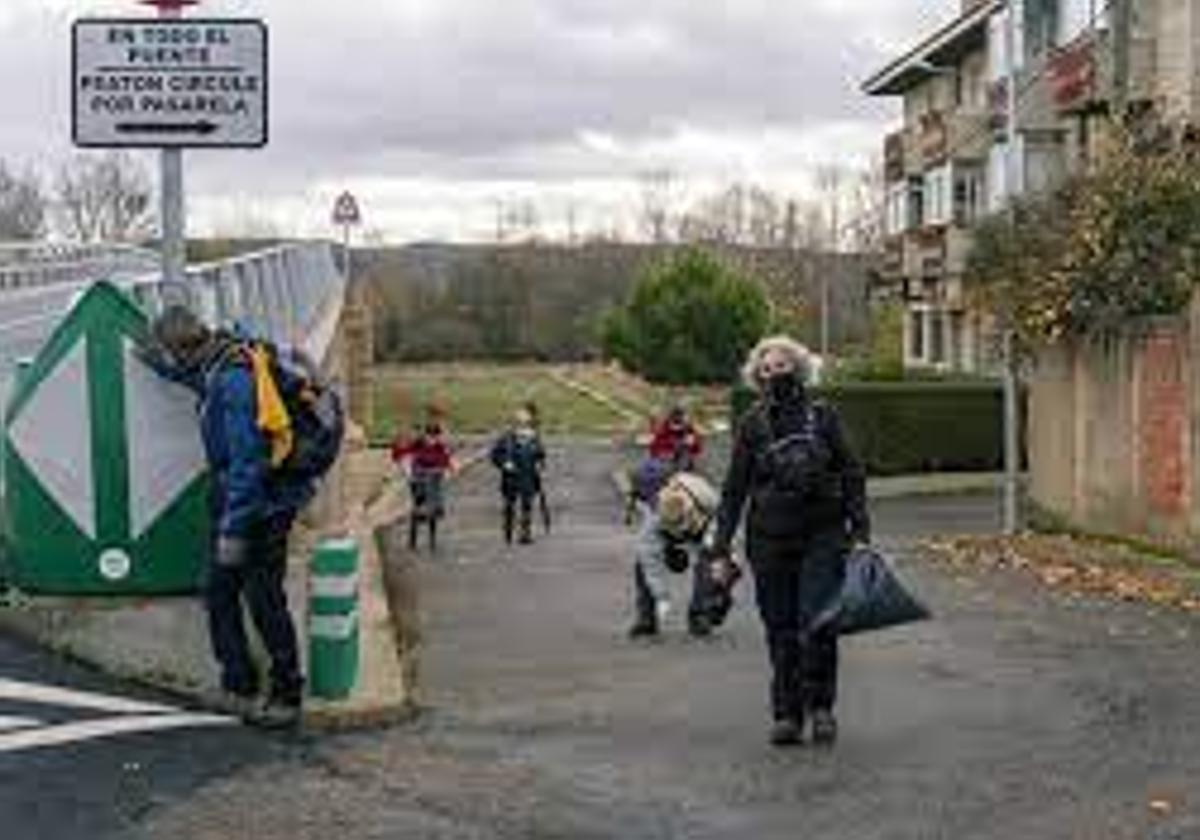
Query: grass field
480,398
708,405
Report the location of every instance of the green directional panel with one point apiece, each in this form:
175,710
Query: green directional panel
105,478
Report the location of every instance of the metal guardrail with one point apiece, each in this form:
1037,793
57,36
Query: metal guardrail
32,265
287,294
291,294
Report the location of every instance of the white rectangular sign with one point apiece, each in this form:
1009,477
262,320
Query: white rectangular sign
161,82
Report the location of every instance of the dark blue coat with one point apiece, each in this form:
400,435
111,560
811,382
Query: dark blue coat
246,490
519,459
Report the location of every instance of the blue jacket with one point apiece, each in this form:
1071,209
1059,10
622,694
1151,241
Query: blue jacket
246,491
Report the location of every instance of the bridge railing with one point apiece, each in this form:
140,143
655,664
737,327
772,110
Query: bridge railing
291,294
33,265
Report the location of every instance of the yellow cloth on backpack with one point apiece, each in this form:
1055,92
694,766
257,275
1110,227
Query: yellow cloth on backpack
273,418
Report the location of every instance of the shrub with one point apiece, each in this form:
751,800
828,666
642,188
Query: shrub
1119,241
690,320
912,428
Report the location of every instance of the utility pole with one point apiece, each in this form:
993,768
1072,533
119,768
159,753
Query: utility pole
1013,188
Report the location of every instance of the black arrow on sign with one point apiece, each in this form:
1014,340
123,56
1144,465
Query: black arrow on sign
202,127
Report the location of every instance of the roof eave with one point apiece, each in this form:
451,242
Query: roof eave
906,71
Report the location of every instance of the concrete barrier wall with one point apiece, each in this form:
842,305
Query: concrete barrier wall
1114,428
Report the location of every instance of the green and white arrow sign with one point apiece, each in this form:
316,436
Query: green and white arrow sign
105,482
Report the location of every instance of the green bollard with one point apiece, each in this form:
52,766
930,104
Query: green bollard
333,620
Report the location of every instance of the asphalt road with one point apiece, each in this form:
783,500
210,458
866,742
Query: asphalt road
1017,713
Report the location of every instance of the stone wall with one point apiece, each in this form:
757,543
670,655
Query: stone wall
1114,430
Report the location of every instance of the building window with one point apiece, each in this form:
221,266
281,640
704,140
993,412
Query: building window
1077,17
938,195
897,209
916,202
997,175
971,79
969,196
1041,26
916,335
937,338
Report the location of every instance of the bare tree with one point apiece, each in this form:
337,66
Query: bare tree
831,183
105,198
740,214
865,229
22,206
766,223
658,198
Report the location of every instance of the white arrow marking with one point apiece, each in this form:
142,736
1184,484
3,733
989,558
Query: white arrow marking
23,692
7,724
69,733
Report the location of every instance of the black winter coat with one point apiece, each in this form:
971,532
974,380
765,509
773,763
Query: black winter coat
777,518
519,459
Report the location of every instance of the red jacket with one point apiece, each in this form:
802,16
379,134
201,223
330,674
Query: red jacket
669,441
425,453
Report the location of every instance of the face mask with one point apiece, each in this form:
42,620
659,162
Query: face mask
784,386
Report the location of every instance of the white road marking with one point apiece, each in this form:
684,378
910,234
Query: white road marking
23,692
9,723
68,733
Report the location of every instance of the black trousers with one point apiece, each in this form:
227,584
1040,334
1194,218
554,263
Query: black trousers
260,583
513,501
793,582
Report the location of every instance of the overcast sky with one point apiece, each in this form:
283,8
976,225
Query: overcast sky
432,111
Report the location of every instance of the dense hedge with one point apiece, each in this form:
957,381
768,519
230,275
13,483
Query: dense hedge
910,428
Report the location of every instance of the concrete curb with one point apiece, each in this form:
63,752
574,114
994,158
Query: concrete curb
901,487
937,484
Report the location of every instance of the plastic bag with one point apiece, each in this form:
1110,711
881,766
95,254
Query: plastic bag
871,598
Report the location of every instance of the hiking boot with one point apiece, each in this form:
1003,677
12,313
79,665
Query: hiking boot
244,707
824,731
699,626
643,628
787,733
277,715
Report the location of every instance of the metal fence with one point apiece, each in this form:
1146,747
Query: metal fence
33,265
290,294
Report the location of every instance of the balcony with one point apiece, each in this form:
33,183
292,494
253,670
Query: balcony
891,265
969,136
959,135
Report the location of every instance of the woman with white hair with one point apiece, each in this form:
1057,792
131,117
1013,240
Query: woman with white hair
807,506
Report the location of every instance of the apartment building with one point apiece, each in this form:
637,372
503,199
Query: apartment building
947,166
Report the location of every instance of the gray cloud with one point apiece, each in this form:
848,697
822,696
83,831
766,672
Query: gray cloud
477,90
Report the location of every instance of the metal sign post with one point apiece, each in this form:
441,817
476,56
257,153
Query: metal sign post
346,213
174,218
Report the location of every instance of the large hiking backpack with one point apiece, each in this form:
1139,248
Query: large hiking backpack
314,411
801,463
